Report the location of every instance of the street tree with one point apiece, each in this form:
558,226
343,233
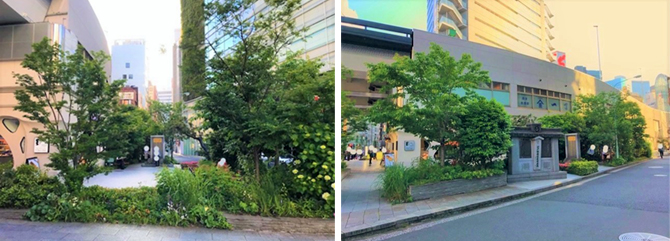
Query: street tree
426,84
70,96
242,81
483,133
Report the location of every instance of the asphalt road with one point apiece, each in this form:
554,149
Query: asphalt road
635,199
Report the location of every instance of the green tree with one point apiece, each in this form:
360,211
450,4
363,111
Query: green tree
133,128
73,100
193,53
608,117
523,120
243,84
483,133
427,83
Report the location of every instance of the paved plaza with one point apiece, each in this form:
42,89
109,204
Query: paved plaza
20,230
362,206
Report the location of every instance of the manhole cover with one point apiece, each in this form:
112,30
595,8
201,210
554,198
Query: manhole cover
642,237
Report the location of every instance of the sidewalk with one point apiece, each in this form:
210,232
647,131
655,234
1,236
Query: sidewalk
133,176
363,211
34,231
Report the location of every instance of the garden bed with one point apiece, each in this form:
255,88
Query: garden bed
454,187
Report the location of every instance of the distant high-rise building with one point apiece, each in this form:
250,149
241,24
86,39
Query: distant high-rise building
129,63
640,87
152,92
176,65
165,96
618,82
594,73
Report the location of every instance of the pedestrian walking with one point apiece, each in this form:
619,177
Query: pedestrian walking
660,149
380,157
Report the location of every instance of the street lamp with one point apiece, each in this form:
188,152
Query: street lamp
616,131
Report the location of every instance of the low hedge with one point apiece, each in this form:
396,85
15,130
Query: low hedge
583,168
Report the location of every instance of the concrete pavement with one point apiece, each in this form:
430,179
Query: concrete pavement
20,230
133,176
635,199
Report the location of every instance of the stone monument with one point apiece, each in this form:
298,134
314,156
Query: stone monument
534,154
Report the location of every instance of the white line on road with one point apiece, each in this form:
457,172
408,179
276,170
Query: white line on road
660,175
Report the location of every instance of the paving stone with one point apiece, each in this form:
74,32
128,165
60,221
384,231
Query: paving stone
80,237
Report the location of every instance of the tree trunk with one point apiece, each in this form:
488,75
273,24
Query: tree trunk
203,146
257,162
442,152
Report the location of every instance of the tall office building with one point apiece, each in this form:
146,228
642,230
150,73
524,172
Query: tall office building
521,26
176,66
165,96
129,63
317,15
640,87
70,23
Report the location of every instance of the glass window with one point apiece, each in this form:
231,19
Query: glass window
130,76
459,92
563,95
554,104
566,105
539,102
502,97
127,65
546,147
550,93
497,86
520,88
568,96
486,93
524,148
11,124
536,91
485,85
543,92
529,90
524,100
505,86
125,76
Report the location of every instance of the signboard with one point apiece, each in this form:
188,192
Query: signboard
388,159
524,100
560,58
40,146
33,161
157,149
537,153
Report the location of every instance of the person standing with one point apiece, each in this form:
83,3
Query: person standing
380,157
660,149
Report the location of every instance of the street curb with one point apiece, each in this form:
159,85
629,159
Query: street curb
479,205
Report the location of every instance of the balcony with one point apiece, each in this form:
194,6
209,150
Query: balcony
551,47
546,19
448,7
462,5
551,15
550,56
445,25
548,33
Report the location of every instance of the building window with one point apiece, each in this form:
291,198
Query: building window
495,90
130,76
125,76
536,98
11,124
127,65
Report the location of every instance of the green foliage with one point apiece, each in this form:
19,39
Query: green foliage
607,117
395,180
26,186
71,97
483,133
430,79
179,188
569,122
209,217
193,55
523,120
583,168
65,208
343,166
133,128
616,162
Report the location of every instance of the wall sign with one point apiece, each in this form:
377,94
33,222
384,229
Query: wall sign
40,146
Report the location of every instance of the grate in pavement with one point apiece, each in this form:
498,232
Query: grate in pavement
642,237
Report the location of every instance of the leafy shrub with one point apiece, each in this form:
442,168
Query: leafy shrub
583,168
179,188
395,180
223,189
209,217
314,167
343,165
66,208
127,205
26,186
617,161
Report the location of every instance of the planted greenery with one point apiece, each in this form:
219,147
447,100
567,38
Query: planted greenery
26,186
395,180
583,168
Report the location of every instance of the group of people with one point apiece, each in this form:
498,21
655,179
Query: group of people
374,155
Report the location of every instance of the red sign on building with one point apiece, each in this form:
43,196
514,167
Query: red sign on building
560,58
